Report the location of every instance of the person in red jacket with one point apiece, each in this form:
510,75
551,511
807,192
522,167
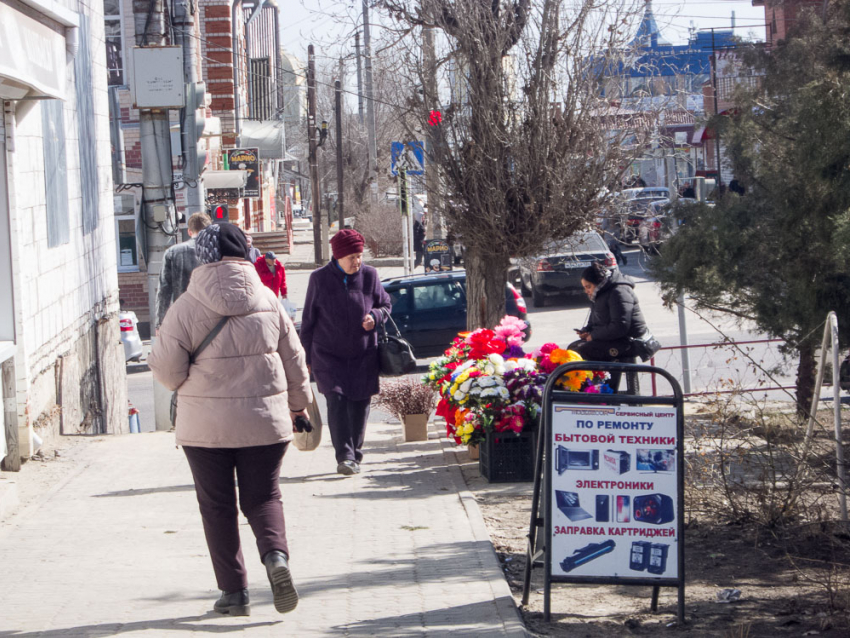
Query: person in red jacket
272,273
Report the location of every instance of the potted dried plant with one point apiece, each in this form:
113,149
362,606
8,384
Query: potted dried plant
411,402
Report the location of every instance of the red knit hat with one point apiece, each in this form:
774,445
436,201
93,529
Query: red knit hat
347,242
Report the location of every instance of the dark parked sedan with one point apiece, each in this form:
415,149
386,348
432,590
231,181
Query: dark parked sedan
558,271
430,310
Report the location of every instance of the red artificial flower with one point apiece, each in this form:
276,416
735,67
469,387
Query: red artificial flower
483,343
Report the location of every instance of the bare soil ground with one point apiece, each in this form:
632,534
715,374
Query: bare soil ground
780,596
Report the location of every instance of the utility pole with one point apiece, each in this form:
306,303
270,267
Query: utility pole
359,78
183,18
315,194
339,178
435,228
370,105
716,112
158,206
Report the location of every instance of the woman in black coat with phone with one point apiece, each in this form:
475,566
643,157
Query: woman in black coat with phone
615,315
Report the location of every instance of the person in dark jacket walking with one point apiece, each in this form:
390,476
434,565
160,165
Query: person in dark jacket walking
272,273
345,302
615,316
178,262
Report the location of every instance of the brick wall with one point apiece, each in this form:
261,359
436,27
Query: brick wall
133,293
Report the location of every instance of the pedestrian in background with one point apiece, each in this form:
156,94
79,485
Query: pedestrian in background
611,233
418,241
236,405
253,252
178,262
345,302
272,273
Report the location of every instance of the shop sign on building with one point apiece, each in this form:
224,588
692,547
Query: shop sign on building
247,159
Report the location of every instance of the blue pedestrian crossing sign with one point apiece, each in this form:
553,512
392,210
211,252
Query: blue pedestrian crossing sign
410,156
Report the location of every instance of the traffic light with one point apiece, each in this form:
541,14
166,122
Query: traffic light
219,214
194,119
434,118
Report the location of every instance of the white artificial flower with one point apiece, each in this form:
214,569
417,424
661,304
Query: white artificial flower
489,369
496,359
464,387
487,382
458,395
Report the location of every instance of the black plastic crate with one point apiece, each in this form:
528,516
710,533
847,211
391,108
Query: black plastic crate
506,457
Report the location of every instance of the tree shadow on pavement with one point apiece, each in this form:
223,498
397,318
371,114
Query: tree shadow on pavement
471,620
185,623
147,490
443,563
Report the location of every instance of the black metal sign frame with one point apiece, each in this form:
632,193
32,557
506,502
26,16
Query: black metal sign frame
540,549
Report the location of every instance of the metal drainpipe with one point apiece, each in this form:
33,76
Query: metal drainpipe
236,63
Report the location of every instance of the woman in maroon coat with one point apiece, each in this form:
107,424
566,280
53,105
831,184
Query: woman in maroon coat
345,302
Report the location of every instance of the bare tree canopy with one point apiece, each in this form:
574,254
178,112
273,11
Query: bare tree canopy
525,151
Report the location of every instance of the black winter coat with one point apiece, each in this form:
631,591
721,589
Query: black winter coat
615,313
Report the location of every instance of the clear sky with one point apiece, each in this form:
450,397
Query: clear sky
326,23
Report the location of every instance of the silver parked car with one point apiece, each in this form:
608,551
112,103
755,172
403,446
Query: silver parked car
129,324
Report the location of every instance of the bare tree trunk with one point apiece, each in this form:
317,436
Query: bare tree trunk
486,278
806,379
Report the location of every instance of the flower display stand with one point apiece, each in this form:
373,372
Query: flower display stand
416,427
474,451
507,457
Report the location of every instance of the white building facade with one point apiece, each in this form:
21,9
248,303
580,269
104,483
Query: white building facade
60,350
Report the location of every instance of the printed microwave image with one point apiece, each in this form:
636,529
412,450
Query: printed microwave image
617,461
566,459
653,508
647,460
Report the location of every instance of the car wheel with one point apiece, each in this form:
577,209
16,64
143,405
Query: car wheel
537,297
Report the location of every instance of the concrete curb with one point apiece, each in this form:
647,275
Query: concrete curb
502,595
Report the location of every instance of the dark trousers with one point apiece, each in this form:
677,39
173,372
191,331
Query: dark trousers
347,425
604,351
257,470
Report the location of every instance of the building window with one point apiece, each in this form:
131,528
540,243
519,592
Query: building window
128,247
114,41
55,172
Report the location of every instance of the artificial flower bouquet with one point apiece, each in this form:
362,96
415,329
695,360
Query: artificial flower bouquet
488,383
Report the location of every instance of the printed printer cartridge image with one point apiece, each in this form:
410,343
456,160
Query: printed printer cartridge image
586,554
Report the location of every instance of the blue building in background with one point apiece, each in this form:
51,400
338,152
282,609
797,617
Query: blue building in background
655,68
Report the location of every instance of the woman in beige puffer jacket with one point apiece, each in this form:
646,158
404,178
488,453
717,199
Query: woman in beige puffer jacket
236,404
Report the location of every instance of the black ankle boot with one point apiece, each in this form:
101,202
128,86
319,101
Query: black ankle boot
280,578
235,603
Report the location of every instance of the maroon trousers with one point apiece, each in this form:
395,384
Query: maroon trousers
257,470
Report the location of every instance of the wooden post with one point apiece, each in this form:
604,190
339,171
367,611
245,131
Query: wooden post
12,462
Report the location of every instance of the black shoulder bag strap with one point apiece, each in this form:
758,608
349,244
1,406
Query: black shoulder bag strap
389,319
207,340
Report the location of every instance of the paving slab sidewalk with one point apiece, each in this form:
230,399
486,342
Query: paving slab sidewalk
116,548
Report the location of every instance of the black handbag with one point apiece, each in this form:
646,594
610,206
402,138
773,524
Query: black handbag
172,411
395,354
645,346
